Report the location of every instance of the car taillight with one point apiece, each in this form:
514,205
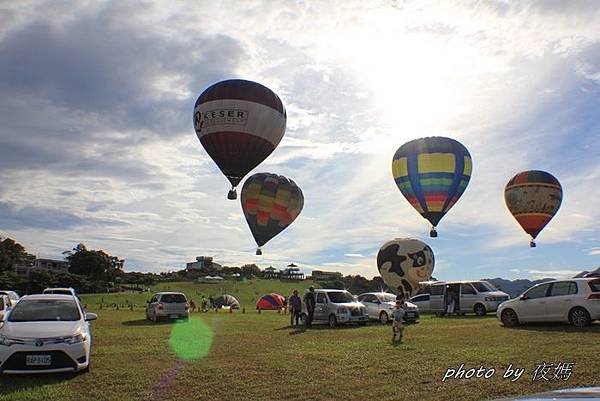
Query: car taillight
160,306
187,306
595,295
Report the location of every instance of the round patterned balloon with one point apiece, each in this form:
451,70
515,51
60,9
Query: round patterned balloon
405,262
239,123
270,203
533,198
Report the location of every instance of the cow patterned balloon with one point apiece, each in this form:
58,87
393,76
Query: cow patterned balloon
403,263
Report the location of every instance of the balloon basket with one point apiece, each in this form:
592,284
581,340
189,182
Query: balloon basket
532,244
232,195
433,233
258,251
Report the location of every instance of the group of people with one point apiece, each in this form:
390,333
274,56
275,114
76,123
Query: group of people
206,304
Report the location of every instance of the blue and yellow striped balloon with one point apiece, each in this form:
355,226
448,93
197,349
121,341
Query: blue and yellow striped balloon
432,173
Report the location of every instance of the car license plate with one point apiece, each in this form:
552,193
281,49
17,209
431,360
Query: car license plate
410,314
174,316
38,360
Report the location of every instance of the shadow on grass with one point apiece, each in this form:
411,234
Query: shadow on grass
303,329
13,383
144,322
561,327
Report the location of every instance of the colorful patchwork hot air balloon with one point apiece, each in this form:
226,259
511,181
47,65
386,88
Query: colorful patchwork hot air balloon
270,302
239,123
533,198
432,174
270,203
405,262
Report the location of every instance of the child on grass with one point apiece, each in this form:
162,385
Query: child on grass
397,327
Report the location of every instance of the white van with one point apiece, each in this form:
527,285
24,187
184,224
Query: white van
479,297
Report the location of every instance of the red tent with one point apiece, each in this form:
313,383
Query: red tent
270,302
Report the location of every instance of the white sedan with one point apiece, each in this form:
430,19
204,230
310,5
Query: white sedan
381,305
45,333
575,301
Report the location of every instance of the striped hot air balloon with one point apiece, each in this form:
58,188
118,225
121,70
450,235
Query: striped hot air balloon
270,203
270,302
533,198
239,123
432,174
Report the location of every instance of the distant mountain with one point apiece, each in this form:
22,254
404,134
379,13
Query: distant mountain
515,288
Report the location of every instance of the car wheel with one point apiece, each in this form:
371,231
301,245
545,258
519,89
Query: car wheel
303,318
384,318
579,317
479,310
332,321
509,318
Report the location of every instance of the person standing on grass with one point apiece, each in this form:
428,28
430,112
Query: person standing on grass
192,306
310,301
295,308
397,326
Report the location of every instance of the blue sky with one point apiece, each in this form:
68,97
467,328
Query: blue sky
97,144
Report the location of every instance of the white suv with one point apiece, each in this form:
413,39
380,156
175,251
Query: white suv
45,333
576,301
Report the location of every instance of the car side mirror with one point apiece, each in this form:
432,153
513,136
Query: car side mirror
148,301
523,298
90,316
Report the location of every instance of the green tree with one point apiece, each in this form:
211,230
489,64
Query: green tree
96,265
250,270
11,254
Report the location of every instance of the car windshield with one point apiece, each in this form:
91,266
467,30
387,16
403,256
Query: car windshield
173,299
595,285
60,292
482,286
339,297
388,298
40,310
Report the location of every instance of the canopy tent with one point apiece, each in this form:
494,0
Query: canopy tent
227,300
270,302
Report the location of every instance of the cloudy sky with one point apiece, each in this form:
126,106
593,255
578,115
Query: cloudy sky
97,144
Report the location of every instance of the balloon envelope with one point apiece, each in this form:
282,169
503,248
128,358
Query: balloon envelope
270,302
533,198
270,203
405,262
432,174
239,123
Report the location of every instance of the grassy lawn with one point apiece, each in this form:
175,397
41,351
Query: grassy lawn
251,356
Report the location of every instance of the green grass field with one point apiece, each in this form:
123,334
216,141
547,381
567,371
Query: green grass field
251,356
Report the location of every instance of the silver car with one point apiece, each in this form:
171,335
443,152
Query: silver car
381,305
167,305
479,297
336,307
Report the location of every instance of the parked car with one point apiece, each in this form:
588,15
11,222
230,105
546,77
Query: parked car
381,305
12,296
479,297
576,301
61,291
336,307
422,302
5,306
46,333
167,305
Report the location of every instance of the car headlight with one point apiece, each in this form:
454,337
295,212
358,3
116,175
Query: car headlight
76,339
491,299
4,341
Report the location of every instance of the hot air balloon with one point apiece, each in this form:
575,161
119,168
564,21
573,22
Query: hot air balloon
239,123
533,198
270,203
432,174
405,262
